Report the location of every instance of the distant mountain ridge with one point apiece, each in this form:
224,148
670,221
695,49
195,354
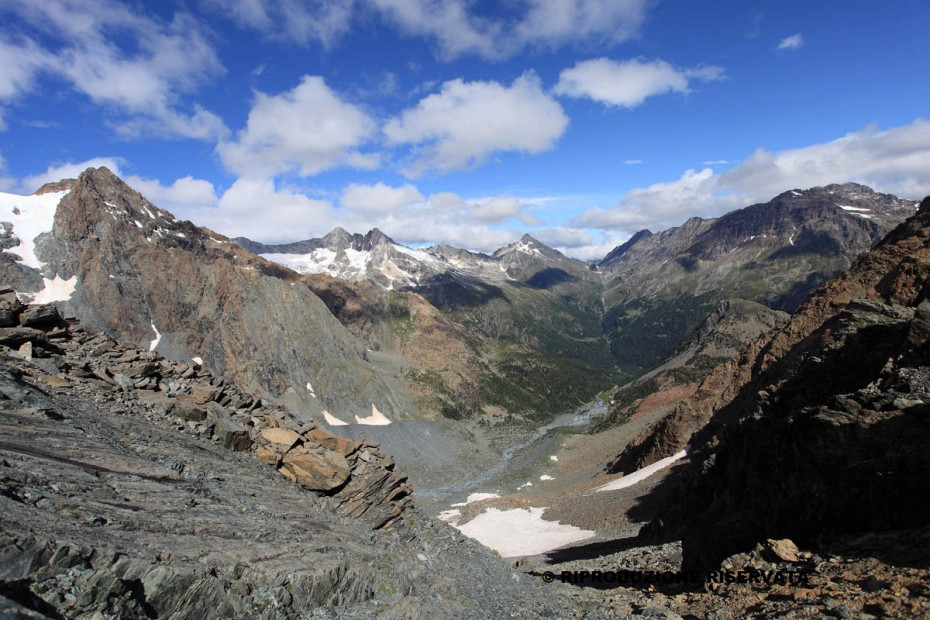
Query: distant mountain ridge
658,287
534,331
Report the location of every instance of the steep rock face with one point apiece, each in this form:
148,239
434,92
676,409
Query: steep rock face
148,278
660,287
827,433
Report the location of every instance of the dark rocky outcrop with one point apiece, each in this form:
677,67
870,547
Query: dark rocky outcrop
827,430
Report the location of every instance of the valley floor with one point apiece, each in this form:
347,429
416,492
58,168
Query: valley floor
613,570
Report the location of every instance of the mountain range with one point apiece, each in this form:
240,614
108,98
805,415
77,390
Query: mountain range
341,327
778,354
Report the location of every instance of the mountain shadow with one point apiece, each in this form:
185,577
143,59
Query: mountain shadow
549,277
448,291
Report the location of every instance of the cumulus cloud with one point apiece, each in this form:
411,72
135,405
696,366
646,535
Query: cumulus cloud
892,161
69,170
581,243
180,197
280,209
466,122
659,205
794,42
305,130
628,83
379,197
136,65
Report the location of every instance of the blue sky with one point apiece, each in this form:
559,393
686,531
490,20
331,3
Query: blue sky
465,121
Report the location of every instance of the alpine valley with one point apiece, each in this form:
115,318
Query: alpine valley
193,425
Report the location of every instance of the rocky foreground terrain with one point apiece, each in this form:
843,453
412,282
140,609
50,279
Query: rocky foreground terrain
134,487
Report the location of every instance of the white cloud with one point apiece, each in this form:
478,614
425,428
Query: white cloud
554,23
300,21
458,30
892,161
446,21
307,129
658,205
136,65
581,243
69,170
794,42
379,197
258,209
632,162
180,197
466,122
628,83
19,63
497,209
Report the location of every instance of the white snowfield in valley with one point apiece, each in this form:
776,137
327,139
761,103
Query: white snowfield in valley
55,289
519,532
477,497
154,343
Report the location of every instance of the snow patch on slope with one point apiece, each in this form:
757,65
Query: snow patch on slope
641,474
155,342
375,419
333,420
55,289
30,216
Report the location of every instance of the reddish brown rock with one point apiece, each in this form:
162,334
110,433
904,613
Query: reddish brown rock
316,471
281,437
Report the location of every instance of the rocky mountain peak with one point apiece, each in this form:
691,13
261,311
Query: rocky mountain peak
527,245
133,270
375,237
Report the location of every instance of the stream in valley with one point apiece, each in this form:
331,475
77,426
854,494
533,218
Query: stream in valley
527,455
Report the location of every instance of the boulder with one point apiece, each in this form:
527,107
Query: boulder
323,470
280,437
230,433
331,442
39,316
